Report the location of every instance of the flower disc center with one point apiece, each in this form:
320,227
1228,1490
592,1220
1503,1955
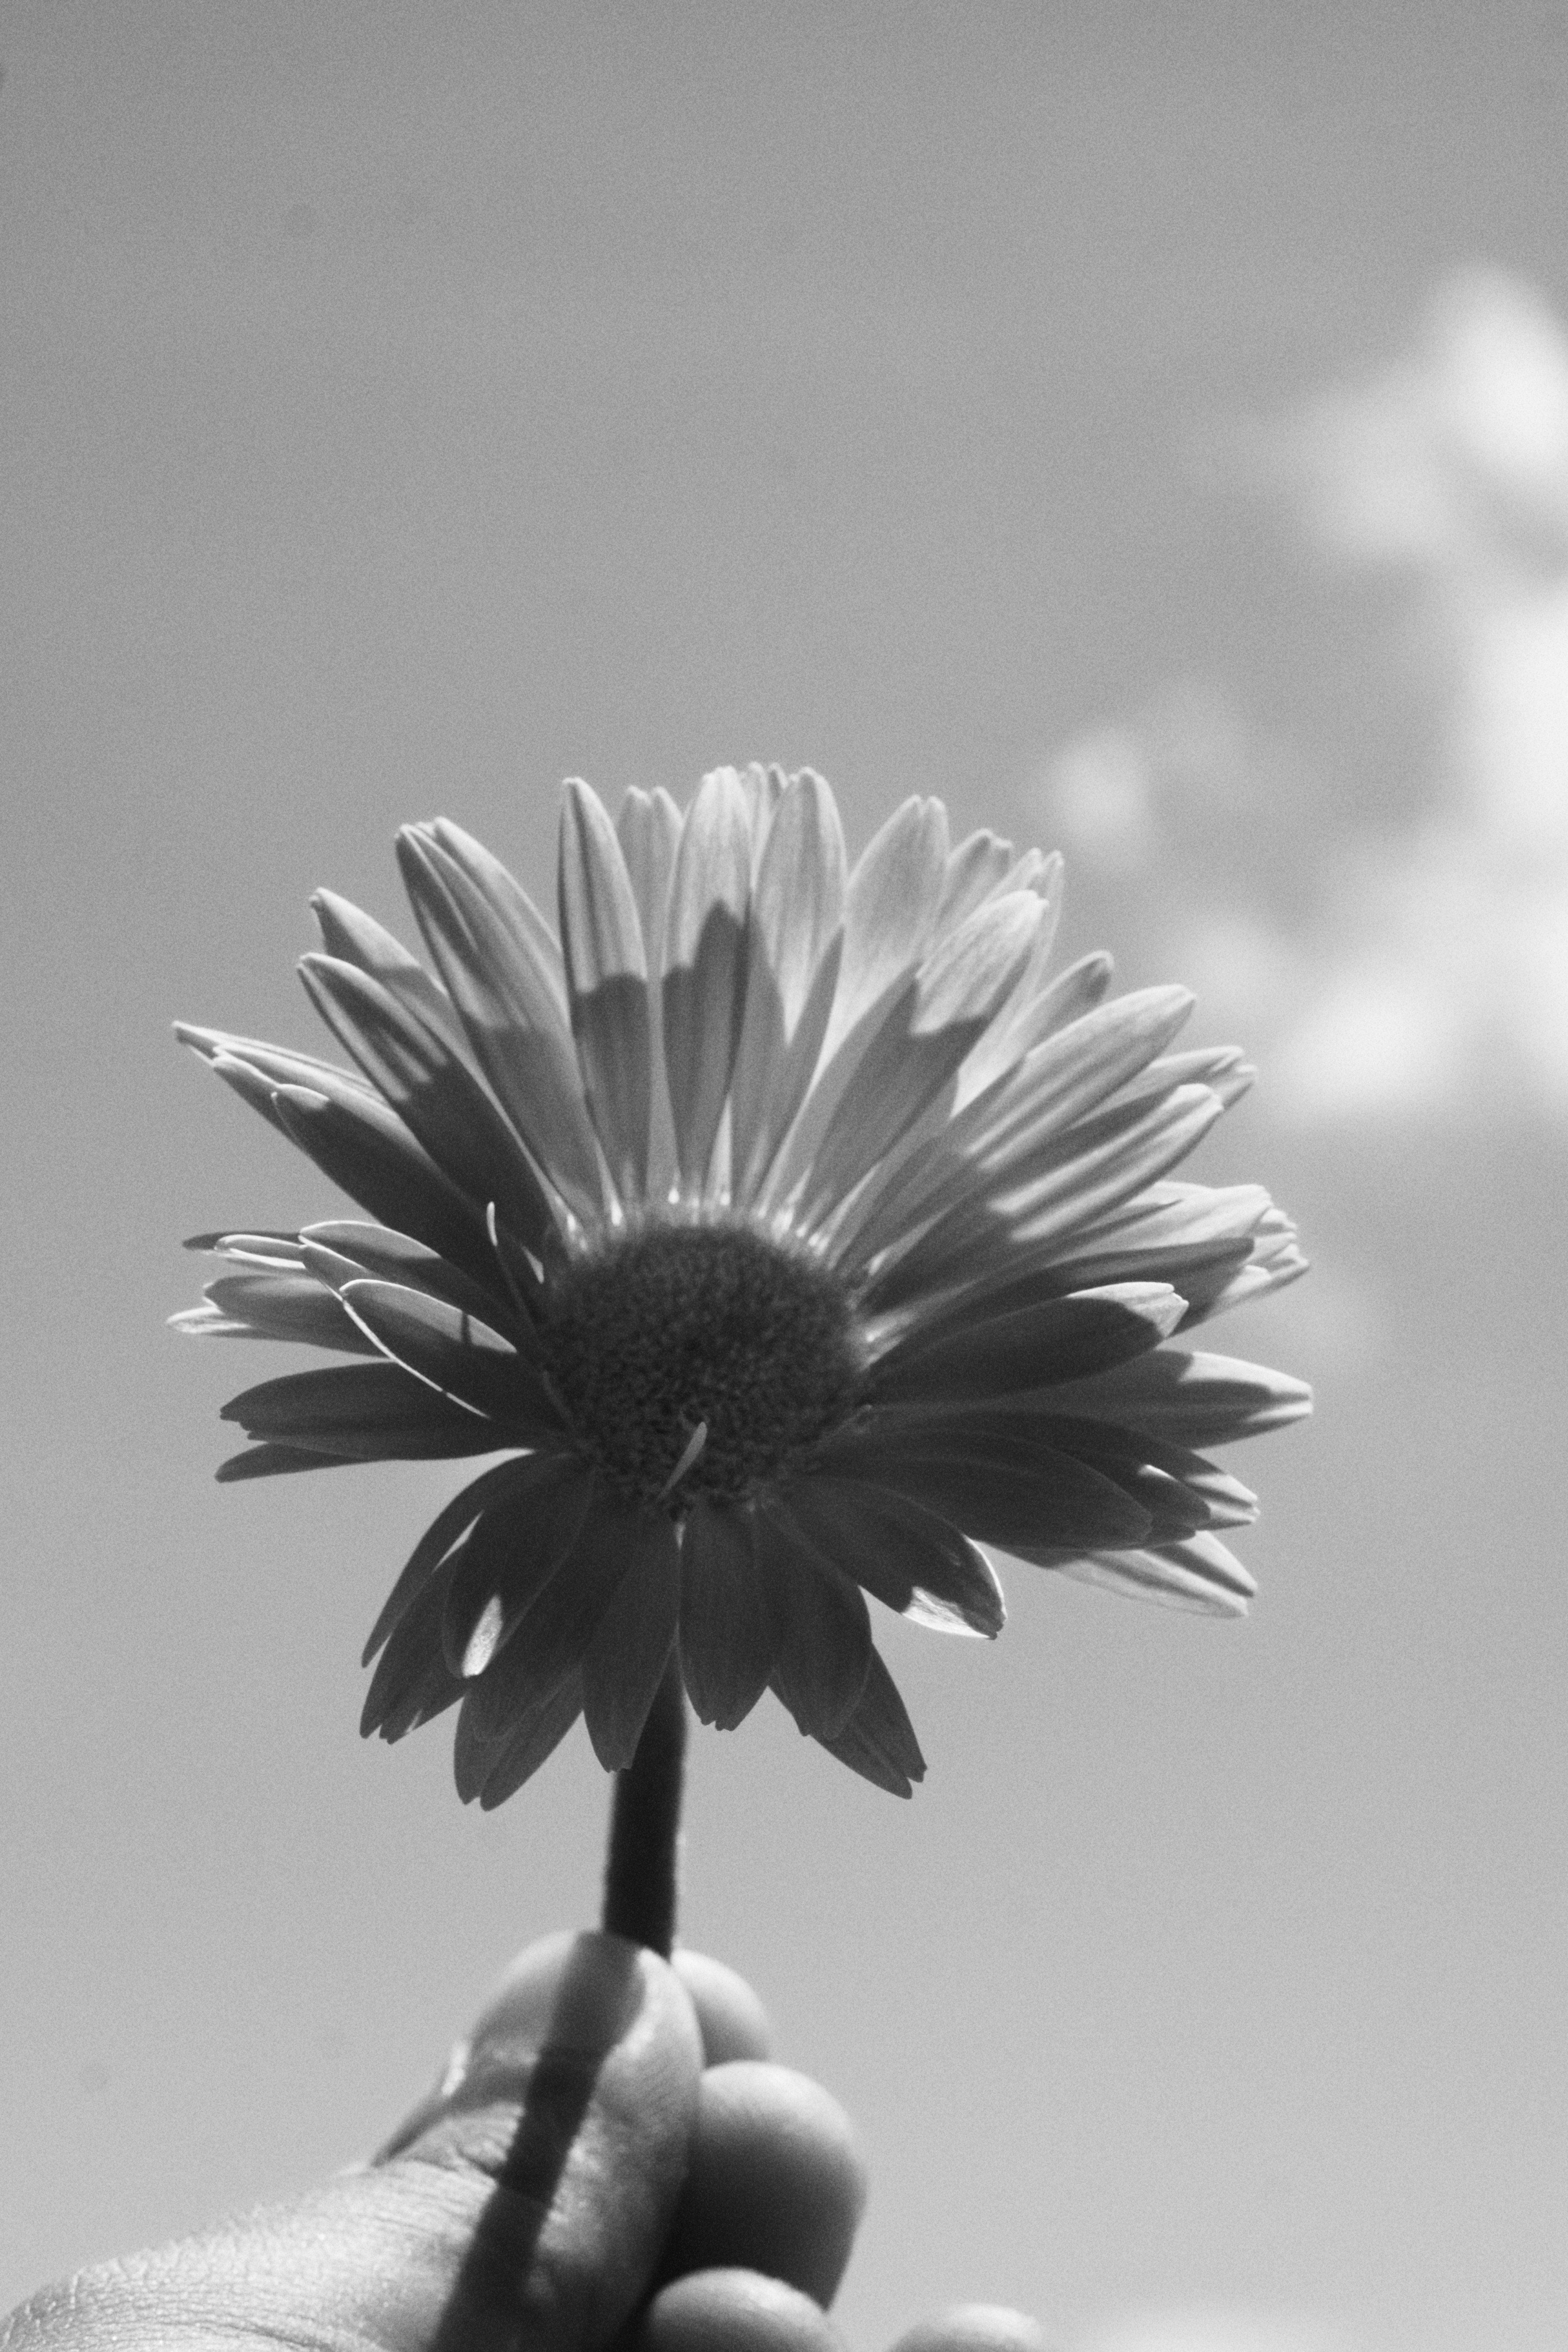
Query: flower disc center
681,1325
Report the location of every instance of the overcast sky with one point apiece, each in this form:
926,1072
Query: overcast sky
1145,427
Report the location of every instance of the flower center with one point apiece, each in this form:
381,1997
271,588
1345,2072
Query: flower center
678,1329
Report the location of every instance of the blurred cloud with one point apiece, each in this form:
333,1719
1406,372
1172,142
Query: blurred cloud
1220,2331
1416,967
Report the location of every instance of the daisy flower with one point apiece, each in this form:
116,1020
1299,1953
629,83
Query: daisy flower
790,1232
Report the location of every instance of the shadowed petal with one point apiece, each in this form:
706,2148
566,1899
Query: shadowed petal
821,1623
1191,1398
1091,1169
905,1557
365,1149
705,950
532,1741
797,909
878,1740
353,937
433,1092
728,1641
1041,1098
341,1249
355,1139
607,981
889,910
553,1637
283,1306
928,1030
1052,1340
1198,1574
980,1471
365,1412
512,1552
442,1535
457,1355
512,1011
623,1663
649,830
281,1065
277,1461
412,1680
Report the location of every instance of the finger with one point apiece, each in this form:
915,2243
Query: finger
571,2111
975,2328
776,2182
733,2021
735,2311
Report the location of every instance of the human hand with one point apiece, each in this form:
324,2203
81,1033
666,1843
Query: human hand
608,2161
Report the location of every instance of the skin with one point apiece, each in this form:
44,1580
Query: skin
610,2159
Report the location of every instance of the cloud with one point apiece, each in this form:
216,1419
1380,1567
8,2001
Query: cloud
1422,970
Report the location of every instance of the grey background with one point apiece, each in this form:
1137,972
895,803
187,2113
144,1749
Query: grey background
1147,428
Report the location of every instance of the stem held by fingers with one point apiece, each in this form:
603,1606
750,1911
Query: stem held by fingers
645,1825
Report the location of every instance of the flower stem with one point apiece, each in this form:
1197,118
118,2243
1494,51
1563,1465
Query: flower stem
645,1825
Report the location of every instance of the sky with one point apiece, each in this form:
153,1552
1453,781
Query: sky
1145,427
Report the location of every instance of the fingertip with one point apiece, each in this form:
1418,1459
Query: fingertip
734,2310
976,2328
574,1992
733,2021
776,2182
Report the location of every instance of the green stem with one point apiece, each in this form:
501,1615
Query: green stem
645,1825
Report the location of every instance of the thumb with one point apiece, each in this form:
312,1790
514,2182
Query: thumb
526,2201
560,2135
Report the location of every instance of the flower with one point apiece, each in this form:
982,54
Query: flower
790,1232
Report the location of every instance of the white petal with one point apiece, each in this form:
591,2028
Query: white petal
705,965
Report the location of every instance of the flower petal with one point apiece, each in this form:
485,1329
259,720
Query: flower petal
440,1538
353,937
975,871
512,1011
877,1093
607,981
1078,1176
728,1641
342,1249
821,1622
1055,1084
1198,1574
513,1551
458,1356
878,1740
797,910
905,1557
509,903
625,1662
365,1150
649,830
532,1743
549,1643
277,1461
412,1680
1191,1398
364,1412
281,1065
433,1092
889,910
982,1473
1051,1340
291,1306
705,951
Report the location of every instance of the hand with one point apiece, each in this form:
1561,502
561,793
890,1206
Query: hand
611,2130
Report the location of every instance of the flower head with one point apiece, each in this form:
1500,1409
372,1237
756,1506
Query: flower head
789,1232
